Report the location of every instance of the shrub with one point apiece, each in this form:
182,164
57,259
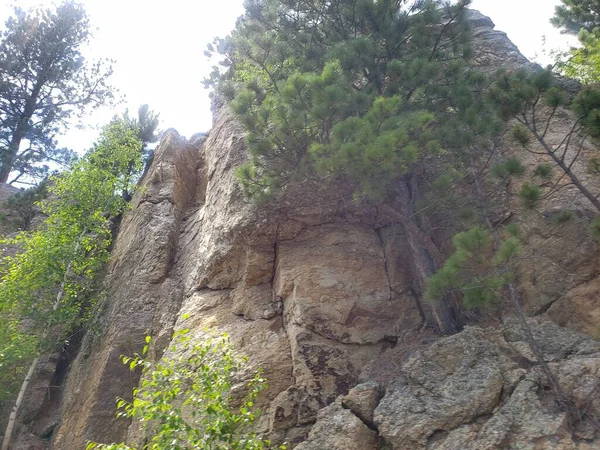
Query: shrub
185,400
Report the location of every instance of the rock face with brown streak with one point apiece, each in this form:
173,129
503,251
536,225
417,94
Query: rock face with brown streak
317,290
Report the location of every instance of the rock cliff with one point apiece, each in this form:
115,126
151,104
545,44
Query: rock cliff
316,289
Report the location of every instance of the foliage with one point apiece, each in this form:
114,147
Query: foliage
595,228
562,217
186,400
582,18
511,167
340,88
477,268
45,83
583,62
533,98
530,195
146,126
47,286
543,170
371,94
16,349
574,15
586,105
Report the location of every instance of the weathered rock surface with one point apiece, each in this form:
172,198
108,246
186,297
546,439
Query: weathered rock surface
318,291
338,429
477,390
143,297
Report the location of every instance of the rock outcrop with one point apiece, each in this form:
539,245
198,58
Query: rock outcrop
477,390
316,290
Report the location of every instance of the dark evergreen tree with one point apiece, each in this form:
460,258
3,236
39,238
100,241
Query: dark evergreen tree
483,267
45,82
574,15
582,18
357,89
146,127
533,100
22,207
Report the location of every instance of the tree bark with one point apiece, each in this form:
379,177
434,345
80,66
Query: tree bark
20,131
8,158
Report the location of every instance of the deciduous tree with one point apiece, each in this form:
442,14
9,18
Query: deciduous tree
185,400
46,290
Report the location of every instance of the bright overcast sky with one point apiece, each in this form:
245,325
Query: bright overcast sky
158,47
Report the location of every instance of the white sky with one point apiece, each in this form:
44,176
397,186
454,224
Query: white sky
158,47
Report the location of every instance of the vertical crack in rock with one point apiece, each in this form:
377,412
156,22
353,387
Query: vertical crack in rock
272,281
142,297
389,281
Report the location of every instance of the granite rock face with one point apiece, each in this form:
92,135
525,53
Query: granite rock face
316,289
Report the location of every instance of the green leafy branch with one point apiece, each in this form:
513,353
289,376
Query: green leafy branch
189,399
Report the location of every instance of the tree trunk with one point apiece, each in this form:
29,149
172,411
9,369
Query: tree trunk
9,157
13,414
427,259
20,131
567,170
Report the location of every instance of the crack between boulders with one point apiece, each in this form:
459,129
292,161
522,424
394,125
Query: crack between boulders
544,309
383,340
275,255
206,288
283,323
370,425
387,276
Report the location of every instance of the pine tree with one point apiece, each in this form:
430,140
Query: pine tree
146,128
533,100
483,267
22,207
582,18
477,269
146,125
575,15
45,82
357,89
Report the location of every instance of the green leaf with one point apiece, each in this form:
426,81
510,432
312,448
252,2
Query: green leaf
206,367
